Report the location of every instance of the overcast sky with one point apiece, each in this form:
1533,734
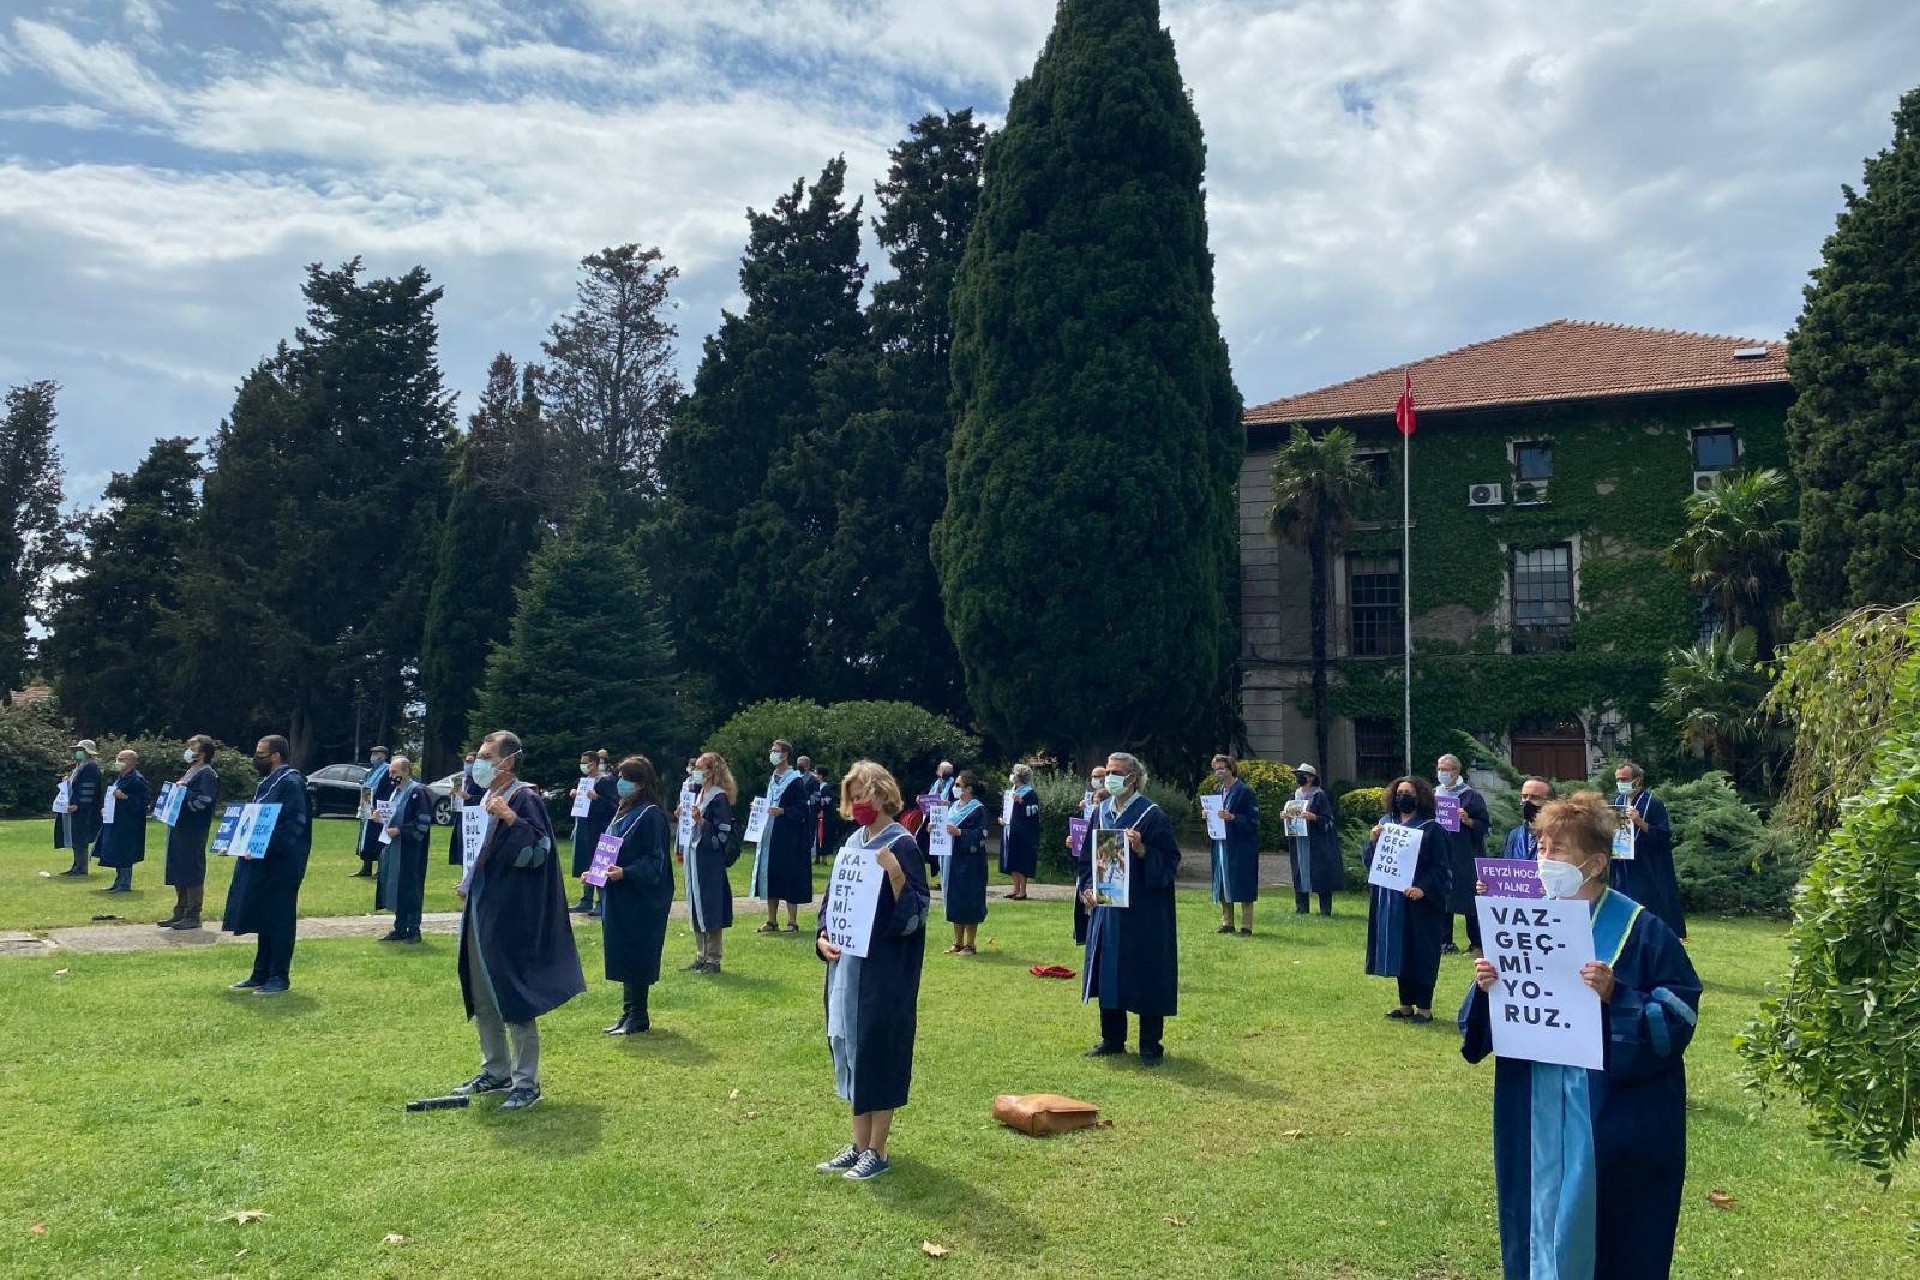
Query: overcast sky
1386,178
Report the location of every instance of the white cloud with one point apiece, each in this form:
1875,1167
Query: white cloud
104,72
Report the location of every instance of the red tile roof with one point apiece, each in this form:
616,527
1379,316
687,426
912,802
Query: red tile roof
1563,360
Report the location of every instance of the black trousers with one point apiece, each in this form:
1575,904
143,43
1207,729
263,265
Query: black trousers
1113,1029
1300,901
1416,993
633,995
273,954
1473,927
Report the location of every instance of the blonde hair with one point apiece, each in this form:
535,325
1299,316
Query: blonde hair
1583,823
718,774
869,780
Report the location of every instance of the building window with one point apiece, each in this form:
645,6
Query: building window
1543,599
1715,449
1378,466
1533,461
1549,749
1373,606
1376,749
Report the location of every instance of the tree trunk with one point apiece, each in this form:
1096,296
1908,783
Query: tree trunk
1317,597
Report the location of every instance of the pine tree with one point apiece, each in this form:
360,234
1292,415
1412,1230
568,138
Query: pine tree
879,631
1854,429
1087,555
322,499
32,532
750,481
589,660
492,528
609,383
106,652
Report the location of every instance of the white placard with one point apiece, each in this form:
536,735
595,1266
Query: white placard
1396,854
475,823
853,895
255,832
683,830
1296,820
106,809
62,799
1623,835
1216,825
939,839
757,820
1539,1007
1112,872
1006,810
583,798
173,799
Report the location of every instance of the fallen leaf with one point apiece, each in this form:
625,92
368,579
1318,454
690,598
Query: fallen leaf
1177,1220
38,1228
1294,1133
394,1237
244,1216
753,1115
243,1253
1719,1199
61,973
733,1096
46,875
933,1250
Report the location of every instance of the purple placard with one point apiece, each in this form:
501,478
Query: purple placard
1446,810
926,802
1508,878
1077,835
605,854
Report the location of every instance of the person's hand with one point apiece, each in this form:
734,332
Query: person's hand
1415,893
1483,974
676,813
1309,815
1465,821
1480,887
1599,976
1375,833
394,832
1639,823
1226,816
1133,839
461,890
954,831
616,874
699,814
497,806
826,949
118,794
1087,899
888,863
775,811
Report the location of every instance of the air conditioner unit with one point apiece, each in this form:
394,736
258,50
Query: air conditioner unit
1485,495
1529,493
1706,481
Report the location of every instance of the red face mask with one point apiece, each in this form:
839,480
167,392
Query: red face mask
865,812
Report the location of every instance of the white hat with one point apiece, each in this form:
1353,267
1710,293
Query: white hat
1306,768
86,745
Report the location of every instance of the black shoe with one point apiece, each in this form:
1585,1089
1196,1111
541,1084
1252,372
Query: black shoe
168,923
361,875
74,871
581,907
625,1023
520,1099
482,1083
1448,949
1225,928
1105,1050
1246,933
119,888
246,984
272,987
698,966
1152,1057
411,937
393,935
186,924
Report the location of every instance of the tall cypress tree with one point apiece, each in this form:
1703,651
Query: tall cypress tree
589,660
105,649
748,476
493,526
1087,556
32,532
879,631
1854,429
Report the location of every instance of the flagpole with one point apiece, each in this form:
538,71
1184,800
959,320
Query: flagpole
1406,591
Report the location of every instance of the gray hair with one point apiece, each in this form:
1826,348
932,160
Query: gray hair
505,743
1129,765
1451,759
397,761
1022,773
1638,774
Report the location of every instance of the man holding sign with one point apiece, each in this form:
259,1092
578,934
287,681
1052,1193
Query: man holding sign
873,937
1409,876
1588,1159
1461,812
264,898
195,795
1133,952
1642,865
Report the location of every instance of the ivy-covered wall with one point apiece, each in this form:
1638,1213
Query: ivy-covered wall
1622,471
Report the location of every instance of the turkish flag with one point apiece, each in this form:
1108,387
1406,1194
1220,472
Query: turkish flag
1403,408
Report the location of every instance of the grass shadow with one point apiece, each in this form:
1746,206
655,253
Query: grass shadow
564,1129
294,1004
1203,1077
734,978
915,1186
667,1045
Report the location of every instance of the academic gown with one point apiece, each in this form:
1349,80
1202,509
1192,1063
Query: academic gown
588,830
1236,860
380,782
1463,846
265,894
84,798
963,888
709,888
783,867
872,1003
1648,877
1079,859
517,911
402,877
123,843
634,926
1589,1164
1020,844
187,839
1521,845
469,796
1317,867
1403,936
1133,952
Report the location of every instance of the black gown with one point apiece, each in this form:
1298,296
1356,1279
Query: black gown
715,849
785,860
402,883
124,841
963,890
883,996
264,897
187,839
588,830
634,927
517,912
1133,952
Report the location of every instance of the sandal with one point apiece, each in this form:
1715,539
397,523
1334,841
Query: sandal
955,951
1421,1018
1400,1014
768,927
969,951
793,928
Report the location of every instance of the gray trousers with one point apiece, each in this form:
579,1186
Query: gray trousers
706,944
508,1050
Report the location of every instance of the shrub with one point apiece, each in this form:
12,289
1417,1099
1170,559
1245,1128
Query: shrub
1272,783
160,761
35,753
910,741
1728,860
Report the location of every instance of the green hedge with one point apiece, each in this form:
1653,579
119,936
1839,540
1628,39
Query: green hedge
1273,787
910,741
1060,794
35,753
160,761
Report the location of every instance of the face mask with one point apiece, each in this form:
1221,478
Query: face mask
626,787
79,757
699,777
586,770
1624,788
1560,879
1529,810
961,795
1221,776
866,812
186,757
1403,803
773,757
264,764
1302,779
1115,783
483,772
1012,781
378,761
118,767
1447,777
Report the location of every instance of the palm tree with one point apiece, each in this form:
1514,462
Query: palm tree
1716,692
1318,483
1734,550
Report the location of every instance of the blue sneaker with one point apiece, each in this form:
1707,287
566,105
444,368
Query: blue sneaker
849,1156
870,1166
272,987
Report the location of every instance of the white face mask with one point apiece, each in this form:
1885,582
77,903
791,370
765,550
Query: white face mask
1448,777
1116,783
1560,879
773,757
698,777
186,757
1624,787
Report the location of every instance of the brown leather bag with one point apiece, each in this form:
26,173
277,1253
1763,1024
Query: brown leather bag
1040,1114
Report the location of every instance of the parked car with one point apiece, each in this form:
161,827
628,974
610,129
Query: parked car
335,790
442,793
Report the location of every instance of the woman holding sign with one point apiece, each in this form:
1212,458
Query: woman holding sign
1589,1164
965,889
1314,842
1407,922
1133,956
402,886
199,789
1020,840
783,867
123,843
712,850
1236,858
638,893
873,937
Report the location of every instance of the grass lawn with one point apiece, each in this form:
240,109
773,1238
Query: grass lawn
1293,1131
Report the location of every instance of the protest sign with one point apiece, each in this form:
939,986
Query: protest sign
853,895
475,823
1077,837
683,826
173,799
106,808
62,798
757,820
583,798
1623,834
939,839
1216,825
1396,854
606,852
1540,1008
1006,809
255,831
1446,811
1111,869
229,823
